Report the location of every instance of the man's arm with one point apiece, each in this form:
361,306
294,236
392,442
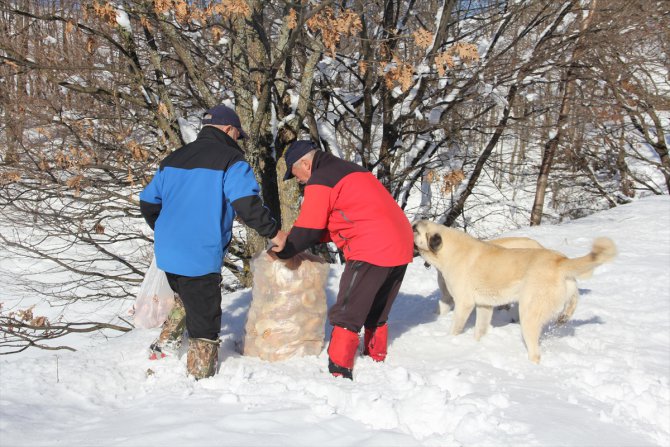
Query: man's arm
311,225
151,201
242,190
150,212
256,215
298,240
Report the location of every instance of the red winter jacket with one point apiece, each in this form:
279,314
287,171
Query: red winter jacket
346,204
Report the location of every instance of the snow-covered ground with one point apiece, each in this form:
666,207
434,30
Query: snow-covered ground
604,377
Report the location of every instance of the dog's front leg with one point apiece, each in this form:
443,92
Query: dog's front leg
462,311
446,302
484,315
442,308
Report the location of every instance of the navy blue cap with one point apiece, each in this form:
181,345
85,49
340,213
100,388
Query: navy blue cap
223,116
295,152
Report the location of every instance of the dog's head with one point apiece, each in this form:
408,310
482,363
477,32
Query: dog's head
427,238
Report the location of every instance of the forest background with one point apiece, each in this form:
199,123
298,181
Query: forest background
486,115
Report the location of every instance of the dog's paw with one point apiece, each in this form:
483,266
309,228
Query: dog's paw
562,319
535,358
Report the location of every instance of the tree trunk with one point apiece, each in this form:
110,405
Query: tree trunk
459,204
551,147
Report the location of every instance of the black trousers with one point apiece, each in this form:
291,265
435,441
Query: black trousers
201,296
366,295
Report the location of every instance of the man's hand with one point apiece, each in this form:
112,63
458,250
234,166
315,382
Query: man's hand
290,263
279,241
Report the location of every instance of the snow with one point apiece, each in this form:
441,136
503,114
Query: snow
604,377
189,130
123,20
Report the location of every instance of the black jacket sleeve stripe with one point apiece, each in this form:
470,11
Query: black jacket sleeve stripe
150,211
255,215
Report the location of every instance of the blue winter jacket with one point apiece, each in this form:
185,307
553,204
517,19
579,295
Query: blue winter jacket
192,200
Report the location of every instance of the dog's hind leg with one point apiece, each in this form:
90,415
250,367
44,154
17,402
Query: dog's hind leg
461,313
570,305
533,314
531,329
484,315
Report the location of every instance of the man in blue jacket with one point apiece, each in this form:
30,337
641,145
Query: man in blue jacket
190,204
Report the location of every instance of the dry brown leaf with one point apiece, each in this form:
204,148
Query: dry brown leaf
401,74
467,52
333,27
230,8
106,12
423,38
26,314
181,11
217,34
162,6
362,67
443,60
39,321
291,19
75,183
452,180
9,177
137,152
144,21
90,45
163,110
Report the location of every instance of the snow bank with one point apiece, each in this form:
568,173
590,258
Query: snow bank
603,380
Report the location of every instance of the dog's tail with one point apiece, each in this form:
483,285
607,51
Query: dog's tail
602,251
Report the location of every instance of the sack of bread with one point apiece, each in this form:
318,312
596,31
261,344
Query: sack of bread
287,315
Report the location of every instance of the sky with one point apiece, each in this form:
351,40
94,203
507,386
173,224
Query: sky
604,378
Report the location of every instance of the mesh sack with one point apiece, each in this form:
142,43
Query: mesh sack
288,309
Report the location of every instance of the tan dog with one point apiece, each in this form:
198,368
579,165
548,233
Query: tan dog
446,302
483,275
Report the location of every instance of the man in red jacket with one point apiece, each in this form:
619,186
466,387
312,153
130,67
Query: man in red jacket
346,204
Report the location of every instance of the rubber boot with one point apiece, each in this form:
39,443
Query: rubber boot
172,332
341,352
202,358
375,342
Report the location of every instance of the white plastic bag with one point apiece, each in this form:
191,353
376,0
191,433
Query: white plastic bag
154,300
288,309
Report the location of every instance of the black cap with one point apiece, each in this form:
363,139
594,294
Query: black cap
295,152
224,116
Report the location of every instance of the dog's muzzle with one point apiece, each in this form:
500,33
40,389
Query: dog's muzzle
416,250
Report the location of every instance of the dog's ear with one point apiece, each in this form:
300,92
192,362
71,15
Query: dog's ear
435,242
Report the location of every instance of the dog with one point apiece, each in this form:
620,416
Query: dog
483,275
446,302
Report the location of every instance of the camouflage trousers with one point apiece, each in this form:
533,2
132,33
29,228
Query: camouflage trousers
172,332
202,358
